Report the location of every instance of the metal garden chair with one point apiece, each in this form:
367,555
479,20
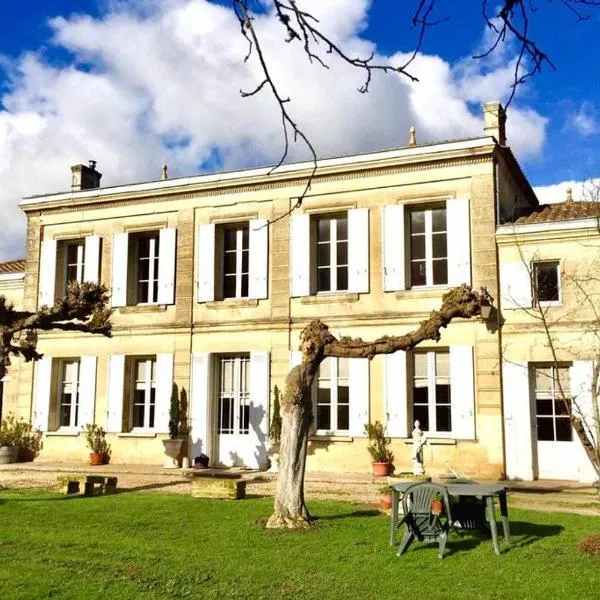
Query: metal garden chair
419,521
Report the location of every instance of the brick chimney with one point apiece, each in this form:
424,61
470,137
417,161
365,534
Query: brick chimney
85,178
494,121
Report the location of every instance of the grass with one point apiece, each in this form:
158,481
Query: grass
169,546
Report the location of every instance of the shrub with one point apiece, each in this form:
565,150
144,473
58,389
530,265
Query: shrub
590,545
95,437
379,448
18,432
275,430
174,413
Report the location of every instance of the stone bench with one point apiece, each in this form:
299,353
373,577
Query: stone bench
86,485
212,486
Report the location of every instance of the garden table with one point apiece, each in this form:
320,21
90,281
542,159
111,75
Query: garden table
487,493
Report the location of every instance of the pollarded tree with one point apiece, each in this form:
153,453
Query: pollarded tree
84,308
317,343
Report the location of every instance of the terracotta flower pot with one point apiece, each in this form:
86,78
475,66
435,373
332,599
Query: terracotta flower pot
96,458
385,501
381,469
437,507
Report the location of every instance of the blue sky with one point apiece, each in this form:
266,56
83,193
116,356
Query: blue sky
134,83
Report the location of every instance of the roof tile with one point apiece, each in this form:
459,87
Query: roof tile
561,211
12,266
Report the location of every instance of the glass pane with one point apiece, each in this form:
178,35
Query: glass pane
71,273
543,406
245,285
342,229
421,414
229,262
138,415
440,246
323,280
229,286
343,395
230,239
563,429
417,221
547,283
152,413
323,393
245,261
438,219
143,247
565,379
343,417
143,271
543,378
440,272
142,292
417,273
545,431
442,364
325,368
442,394
72,253
343,368
342,278
420,364
417,247
323,255
442,416
420,395
65,412
140,370
562,407
323,230
227,377
323,417
245,238
342,253
244,418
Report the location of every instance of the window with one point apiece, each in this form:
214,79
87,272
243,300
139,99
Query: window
431,402
236,259
144,393
546,282
332,253
146,249
70,262
552,412
331,396
428,247
233,410
68,393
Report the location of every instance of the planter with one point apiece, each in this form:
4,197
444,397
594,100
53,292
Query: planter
98,458
8,454
437,507
381,469
385,501
174,452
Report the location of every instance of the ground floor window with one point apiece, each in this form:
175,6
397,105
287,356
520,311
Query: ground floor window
68,393
331,397
144,393
431,401
552,410
233,409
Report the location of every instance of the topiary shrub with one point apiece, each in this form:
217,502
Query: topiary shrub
590,545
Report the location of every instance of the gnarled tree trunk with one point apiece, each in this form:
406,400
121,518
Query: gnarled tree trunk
317,343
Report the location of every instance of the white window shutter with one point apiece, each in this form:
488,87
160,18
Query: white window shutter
462,392
87,390
582,374
259,406
394,259
358,371
119,269
358,250
47,273
164,389
518,443
396,394
300,255
458,224
206,263
91,261
43,384
116,386
166,265
259,259
515,285
200,405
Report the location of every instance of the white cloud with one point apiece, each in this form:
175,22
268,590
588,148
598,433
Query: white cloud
583,120
162,83
587,191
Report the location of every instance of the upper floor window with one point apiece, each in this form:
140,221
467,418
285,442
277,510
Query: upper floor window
331,396
546,279
553,406
431,397
146,255
74,261
236,261
144,393
68,393
332,253
428,247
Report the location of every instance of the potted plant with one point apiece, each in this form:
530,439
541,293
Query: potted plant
174,444
9,440
437,505
95,437
275,432
385,497
379,449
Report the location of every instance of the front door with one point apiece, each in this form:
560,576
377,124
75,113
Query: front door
558,453
234,444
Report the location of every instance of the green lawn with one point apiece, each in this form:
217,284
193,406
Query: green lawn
168,546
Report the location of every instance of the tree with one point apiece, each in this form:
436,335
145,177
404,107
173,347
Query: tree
84,308
317,343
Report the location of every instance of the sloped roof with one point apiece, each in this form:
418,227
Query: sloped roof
12,266
561,211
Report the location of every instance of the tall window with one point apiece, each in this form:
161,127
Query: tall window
332,254
146,262
428,247
546,281
68,394
431,391
332,396
552,411
74,261
233,410
236,255
144,393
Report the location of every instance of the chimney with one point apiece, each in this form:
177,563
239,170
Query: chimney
494,121
85,178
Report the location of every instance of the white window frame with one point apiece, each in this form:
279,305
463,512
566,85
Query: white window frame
240,397
148,384
534,266
79,264
239,253
431,392
333,241
334,382
153,260
74,404
552,394
428,247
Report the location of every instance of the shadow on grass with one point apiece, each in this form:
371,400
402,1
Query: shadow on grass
150,486
524,534
349,515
